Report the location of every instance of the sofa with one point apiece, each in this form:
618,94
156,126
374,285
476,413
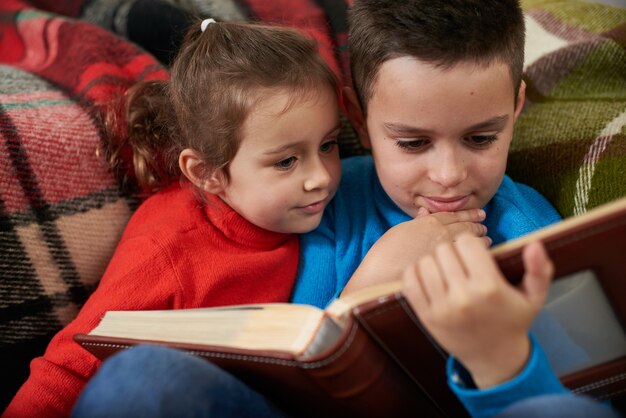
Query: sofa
62,210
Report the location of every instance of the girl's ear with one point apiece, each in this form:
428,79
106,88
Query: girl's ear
355,116
194,168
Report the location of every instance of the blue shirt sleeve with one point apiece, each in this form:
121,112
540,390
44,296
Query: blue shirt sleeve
535,379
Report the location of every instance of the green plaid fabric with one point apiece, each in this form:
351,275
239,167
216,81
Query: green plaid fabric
569,141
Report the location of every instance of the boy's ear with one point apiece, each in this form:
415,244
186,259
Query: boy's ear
193,167
355,116
521,97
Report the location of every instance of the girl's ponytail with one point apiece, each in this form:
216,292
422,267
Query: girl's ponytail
141,130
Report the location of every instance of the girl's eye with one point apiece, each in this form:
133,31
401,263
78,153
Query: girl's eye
481,141
328,146
415,145
285,164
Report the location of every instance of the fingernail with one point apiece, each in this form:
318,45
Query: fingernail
481,214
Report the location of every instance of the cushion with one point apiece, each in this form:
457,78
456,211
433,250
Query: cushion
62,210
569,142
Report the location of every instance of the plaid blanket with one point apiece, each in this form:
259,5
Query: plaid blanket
61,210
570,140
61,62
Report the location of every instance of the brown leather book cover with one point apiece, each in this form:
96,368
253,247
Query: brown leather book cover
385,364
594,241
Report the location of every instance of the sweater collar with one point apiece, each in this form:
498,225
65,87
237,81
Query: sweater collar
238,229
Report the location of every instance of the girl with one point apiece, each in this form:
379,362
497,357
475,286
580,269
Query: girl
250,119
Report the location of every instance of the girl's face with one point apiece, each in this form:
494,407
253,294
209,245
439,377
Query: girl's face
287,167
440,137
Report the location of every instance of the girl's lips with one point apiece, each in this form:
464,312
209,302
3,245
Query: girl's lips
443,204
314,207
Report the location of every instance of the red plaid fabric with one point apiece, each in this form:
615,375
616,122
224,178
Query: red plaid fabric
61,209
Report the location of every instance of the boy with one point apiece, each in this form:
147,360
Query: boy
438,87
437,90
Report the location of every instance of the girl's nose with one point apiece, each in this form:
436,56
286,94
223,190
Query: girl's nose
318,177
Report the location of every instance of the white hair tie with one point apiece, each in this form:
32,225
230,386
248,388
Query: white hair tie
205,23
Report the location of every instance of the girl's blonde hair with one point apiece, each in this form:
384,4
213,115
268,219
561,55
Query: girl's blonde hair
215,80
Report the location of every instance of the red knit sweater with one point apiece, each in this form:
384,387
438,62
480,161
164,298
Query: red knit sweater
175,253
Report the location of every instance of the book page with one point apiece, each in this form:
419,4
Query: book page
278,326
577,327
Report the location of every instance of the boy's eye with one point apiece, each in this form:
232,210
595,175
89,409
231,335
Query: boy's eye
285,164
414,145
480,141
328,146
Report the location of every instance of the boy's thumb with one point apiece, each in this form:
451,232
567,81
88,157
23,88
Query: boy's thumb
538,273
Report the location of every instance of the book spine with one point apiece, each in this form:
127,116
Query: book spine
362,380
393,325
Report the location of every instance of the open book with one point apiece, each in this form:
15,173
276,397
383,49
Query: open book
367,353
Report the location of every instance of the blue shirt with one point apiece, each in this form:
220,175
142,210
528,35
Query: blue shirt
361,212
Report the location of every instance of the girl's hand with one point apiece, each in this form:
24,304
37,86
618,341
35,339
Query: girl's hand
407,242
461,297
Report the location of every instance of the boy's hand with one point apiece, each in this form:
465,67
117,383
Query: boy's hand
471,310
447,226
407,242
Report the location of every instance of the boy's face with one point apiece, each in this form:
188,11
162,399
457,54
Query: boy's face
287,168
440,137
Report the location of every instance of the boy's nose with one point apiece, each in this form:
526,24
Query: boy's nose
318,177
448,171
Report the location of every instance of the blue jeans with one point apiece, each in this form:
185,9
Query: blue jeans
154,381
558,406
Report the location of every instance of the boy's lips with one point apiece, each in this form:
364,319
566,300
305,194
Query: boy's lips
445,204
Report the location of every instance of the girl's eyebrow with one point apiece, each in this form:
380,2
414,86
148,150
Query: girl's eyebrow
282,148
497,123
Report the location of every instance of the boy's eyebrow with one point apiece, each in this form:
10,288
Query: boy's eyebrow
497,122
282,148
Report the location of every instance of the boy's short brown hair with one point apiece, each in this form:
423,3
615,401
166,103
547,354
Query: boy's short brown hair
442,32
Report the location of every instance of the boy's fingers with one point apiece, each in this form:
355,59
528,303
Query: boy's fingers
451,267
431,279
470,215
473,228
476,257
538,273
413,289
